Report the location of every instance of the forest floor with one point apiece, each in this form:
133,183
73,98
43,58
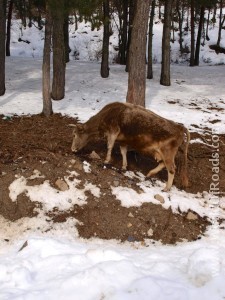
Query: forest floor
34,142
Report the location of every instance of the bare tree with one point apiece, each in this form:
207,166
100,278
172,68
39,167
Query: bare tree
2,47
198,41
105,45
150,35
221,22
192,57
137,54
59,65
130,26
8,32
46,66
165,70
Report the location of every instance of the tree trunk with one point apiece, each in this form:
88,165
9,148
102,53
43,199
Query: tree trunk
2,46
66,39
207,26
123,32
137,54
198,41
8,31
220,24
160,14
105,44
165,70
46,81
76,21
180,23
192,56
39,18
131,19
150,36
59,65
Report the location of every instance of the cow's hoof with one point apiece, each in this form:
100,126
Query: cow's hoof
166,189
149,175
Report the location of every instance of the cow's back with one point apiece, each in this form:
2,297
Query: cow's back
134,120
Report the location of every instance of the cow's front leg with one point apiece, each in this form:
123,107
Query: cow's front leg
111,138
123,150
160,166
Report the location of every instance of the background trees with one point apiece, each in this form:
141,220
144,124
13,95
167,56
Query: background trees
179,19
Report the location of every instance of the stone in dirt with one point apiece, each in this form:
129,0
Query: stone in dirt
61,185
78,165
94,155
116,183
191,216
150,232
159,198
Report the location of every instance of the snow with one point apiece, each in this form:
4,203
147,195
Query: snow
43,260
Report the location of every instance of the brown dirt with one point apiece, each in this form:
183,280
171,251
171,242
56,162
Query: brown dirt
30,143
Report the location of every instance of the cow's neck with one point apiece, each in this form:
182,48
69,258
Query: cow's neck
92,126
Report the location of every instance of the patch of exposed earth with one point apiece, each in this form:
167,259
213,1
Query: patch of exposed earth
29,143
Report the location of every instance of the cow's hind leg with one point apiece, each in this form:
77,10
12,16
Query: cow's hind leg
170,166
160,166
111,138
123,150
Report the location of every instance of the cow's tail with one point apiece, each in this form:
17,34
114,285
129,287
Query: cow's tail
184,159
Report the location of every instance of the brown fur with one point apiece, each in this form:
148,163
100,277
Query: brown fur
141,129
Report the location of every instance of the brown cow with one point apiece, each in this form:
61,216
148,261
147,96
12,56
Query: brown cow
142,130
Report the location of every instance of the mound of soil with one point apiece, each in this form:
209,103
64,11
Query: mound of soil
29,143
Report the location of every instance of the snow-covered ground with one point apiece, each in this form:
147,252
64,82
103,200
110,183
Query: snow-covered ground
39,264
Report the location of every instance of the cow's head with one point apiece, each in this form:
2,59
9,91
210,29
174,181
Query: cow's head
80,137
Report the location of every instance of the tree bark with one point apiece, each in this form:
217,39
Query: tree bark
165,70
59,65
2,46
137,54
198,41
192,56
8,31
105,44
150,36
46,66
